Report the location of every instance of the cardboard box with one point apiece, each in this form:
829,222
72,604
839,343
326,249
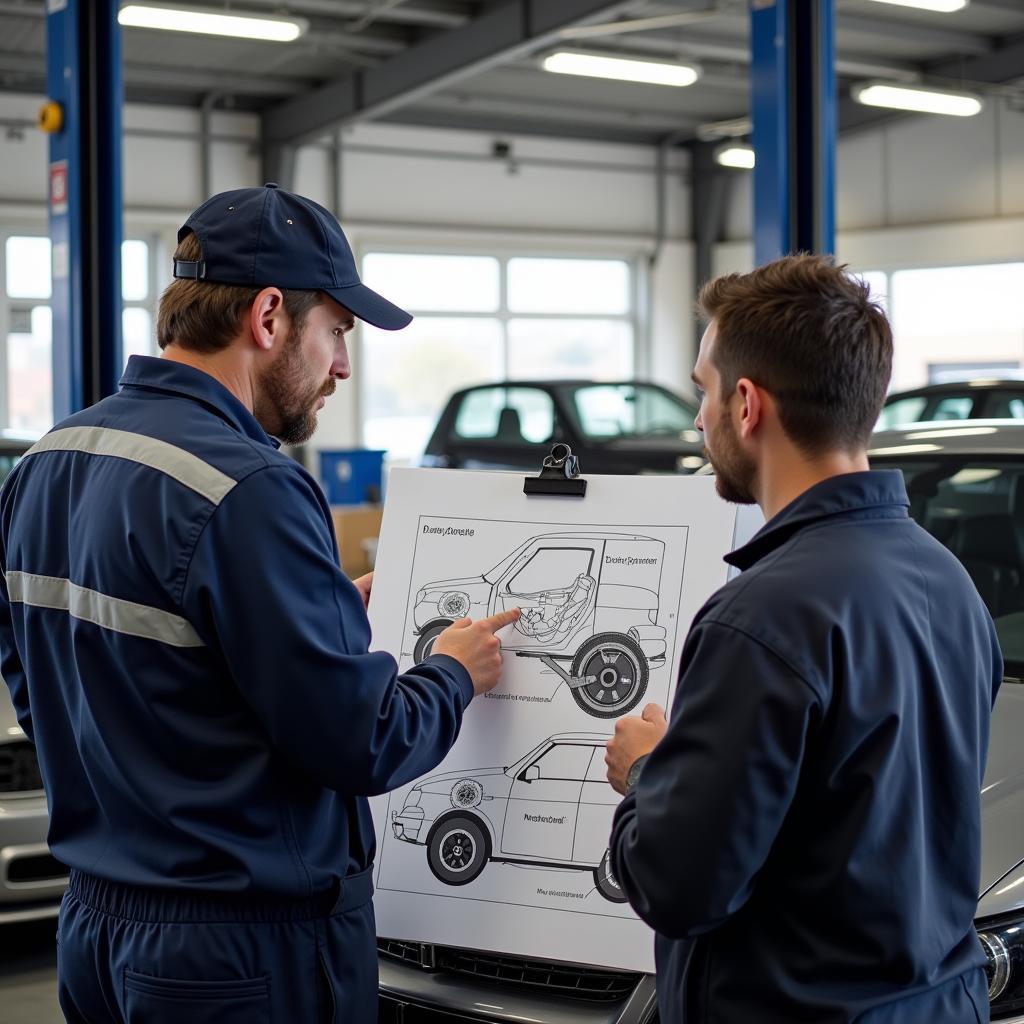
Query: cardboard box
354,524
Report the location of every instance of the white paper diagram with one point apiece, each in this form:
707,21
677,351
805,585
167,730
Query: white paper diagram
504,846
589,604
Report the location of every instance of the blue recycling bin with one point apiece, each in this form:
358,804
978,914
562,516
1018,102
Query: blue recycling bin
352,476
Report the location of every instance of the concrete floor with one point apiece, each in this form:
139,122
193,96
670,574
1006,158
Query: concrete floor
28,973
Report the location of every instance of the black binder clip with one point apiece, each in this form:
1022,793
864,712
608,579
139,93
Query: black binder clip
559,474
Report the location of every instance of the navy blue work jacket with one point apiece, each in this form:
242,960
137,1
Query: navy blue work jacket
806,838
188,658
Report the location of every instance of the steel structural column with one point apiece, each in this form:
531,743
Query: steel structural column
793,101
83,75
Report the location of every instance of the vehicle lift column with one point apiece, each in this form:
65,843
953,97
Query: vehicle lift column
83,117
793,104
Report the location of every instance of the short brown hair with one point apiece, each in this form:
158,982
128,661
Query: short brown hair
203,316
809,333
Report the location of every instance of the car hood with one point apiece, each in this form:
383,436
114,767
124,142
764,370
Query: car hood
1002,807
452,777
462,583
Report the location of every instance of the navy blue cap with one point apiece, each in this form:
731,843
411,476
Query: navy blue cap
258,237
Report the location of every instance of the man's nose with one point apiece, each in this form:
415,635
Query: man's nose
341,368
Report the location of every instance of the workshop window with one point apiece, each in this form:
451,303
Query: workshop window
487,318
26,328
940,315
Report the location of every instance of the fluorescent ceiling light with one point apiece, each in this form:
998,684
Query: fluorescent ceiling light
939,6
623,69
212,23
918,98
735,154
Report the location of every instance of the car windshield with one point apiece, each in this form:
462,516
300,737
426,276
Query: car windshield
975,507
608,411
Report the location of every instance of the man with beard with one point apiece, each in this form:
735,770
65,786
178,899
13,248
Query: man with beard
804,832
191,663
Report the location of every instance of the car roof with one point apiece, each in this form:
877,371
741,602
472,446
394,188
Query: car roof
591,536
595,738
959,437
958,387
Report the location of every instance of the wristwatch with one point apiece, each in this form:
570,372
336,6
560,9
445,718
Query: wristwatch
633,775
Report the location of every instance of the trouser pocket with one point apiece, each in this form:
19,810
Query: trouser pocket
152,1000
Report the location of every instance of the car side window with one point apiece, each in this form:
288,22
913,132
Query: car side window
507,415
1004,406
905,410
551,569
629,410
953,408
565,761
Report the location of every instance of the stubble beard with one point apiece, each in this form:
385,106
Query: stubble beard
287,404
735,472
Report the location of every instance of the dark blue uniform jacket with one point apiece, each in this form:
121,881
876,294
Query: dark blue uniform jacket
189,659
806,838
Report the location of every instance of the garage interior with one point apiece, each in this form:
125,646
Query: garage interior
467,170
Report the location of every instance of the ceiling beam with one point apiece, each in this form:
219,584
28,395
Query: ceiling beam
949,40
737,52
523,124
183,80
421,12
505,32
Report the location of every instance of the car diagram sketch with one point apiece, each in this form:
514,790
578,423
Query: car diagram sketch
589,604
552,808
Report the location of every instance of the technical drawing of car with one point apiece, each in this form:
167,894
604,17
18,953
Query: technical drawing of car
590,599
552,808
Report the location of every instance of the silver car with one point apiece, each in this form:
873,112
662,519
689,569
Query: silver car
31,880
966,486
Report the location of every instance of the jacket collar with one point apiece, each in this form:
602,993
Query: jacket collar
874,494
165,375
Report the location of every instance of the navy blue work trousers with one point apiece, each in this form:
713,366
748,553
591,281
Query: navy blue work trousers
136,956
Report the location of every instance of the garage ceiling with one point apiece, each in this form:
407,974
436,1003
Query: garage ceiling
459,64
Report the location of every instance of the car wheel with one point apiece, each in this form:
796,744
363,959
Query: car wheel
425,644
619,672
457,851
605,880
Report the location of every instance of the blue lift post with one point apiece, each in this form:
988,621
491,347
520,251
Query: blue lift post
83,114
793,102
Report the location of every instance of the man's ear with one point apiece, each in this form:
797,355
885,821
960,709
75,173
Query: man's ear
752,406
267,319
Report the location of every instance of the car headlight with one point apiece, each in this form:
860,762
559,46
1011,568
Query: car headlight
421,595
454,604
1003,942
413,799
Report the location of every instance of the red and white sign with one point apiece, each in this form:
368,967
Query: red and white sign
59,187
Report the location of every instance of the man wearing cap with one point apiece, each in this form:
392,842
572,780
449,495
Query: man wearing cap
191,663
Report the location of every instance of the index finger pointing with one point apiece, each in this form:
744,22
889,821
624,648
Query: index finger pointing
495,622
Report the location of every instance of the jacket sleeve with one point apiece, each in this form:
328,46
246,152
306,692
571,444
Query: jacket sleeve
265,593
690,838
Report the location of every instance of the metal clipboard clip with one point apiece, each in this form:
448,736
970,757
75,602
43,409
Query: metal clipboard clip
559,474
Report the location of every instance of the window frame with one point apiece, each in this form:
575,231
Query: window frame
154,235
503,252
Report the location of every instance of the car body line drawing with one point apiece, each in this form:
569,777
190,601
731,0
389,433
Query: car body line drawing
587,599
550,809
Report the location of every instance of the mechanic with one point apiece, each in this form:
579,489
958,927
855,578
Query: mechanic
191,662
804,833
